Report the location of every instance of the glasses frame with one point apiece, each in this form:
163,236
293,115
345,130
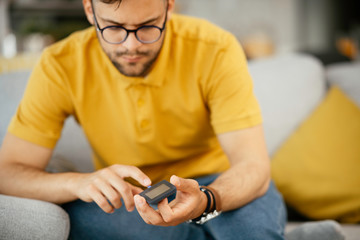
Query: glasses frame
101,30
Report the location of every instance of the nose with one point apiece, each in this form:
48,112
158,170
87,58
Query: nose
131,43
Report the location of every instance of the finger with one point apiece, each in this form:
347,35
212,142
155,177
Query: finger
135,190
109,192
125,191
133,172
184,185
148,214
165,211
100,200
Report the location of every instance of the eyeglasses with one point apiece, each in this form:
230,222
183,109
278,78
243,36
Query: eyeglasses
118,34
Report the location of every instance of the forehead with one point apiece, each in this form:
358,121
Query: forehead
131,11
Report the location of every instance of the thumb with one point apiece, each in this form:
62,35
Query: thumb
184,185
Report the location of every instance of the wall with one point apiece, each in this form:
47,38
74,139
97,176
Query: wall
4,25
292,24
317,25
277,18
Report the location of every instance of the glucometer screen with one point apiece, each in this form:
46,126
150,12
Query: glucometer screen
157,191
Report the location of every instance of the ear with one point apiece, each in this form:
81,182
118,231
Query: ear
88,11
171,7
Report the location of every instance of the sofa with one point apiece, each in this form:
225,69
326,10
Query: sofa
293,91
289,89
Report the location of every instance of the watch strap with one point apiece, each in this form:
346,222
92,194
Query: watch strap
208,214
216,197
208,204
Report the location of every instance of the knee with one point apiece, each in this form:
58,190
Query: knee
264,218
255,225
26,218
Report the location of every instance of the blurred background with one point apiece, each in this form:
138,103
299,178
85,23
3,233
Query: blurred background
328,29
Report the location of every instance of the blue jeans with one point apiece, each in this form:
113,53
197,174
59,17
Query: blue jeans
263,218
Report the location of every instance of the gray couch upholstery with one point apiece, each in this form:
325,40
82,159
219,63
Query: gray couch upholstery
288,88
72,152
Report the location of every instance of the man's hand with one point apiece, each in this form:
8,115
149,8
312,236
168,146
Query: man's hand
190,203
106,187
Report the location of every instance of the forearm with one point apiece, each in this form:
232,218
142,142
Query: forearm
29,182
242,183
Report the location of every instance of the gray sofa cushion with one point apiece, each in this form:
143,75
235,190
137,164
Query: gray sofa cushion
347,77
22,218
288,88
11,91
72,152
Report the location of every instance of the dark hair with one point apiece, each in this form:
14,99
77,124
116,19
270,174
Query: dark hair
111,1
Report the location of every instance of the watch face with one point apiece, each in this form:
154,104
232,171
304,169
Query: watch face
158,192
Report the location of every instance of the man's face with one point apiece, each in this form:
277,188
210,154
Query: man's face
132,58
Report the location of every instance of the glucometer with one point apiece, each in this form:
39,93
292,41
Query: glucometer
154,194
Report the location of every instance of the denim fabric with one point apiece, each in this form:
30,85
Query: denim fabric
263,218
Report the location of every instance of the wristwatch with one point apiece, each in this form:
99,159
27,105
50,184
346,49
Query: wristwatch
208,214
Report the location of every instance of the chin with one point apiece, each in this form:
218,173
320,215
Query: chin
134,69
129,71
133,72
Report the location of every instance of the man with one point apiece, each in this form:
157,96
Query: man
159,96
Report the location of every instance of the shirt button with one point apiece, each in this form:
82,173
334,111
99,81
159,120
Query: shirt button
144,123
140,102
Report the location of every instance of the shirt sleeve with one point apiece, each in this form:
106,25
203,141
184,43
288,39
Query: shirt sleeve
229,90
45,105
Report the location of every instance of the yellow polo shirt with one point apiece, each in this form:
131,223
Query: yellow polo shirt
165,123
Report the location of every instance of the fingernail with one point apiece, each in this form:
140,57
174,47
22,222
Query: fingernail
175,180
138,200
147,182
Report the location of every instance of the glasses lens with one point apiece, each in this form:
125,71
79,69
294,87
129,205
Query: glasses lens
114,34
148,34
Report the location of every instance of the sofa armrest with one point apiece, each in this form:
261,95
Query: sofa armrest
288,88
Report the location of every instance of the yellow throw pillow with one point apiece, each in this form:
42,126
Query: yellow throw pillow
318,168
